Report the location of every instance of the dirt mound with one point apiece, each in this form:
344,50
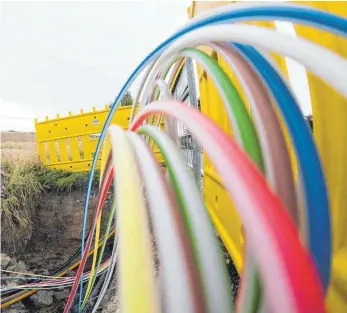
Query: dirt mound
42,301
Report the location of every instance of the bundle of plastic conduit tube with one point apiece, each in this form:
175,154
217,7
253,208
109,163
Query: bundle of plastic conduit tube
287,257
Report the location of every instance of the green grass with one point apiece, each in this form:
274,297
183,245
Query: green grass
62,181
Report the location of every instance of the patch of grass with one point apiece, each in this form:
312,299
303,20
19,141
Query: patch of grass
62,181
20,192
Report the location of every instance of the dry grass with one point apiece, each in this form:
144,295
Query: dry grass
20,192
18,147
12,155
20,187
17,137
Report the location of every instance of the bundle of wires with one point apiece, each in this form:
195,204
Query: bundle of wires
287,258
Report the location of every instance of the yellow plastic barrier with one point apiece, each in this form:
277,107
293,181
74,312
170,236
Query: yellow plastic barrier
68,143
330,129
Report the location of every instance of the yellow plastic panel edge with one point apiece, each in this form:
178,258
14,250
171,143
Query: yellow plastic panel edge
330,133
77,166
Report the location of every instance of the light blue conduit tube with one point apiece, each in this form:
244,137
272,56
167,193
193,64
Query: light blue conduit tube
316,197
291,13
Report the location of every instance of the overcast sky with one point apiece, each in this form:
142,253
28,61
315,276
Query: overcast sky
57,57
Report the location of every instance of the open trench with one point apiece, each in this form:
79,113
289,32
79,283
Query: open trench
55,237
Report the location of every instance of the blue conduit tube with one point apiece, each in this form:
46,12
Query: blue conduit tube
316,197
291,13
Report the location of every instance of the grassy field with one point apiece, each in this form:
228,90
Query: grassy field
18,147
17,137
